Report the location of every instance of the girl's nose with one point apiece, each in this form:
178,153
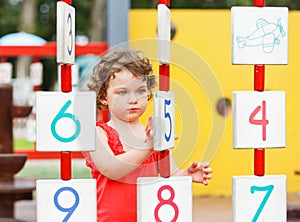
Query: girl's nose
133,99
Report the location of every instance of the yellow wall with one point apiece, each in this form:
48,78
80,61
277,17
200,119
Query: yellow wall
206,35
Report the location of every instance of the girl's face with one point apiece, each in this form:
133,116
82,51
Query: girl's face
127,96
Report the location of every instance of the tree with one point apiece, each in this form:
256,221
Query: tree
27,23
97,27
27,17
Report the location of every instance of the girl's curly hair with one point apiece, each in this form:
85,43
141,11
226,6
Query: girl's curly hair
116,61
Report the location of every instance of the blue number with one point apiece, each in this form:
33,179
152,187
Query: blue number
61,114
269,190
71,209
70,47
168,116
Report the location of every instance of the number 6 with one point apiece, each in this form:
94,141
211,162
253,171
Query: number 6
62,114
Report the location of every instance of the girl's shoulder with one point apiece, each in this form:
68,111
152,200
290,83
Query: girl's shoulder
113,138
108,129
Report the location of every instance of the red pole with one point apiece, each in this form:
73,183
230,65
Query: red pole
165,2
259,3
164,77
66,77
66,86
164,85
65,165
259,81
67,1
259,77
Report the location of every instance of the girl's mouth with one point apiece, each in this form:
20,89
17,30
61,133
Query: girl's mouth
132,110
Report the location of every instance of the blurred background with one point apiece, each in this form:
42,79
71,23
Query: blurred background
201,25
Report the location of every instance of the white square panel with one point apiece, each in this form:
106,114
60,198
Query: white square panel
164,199
66,121
259,35
163,33
259,119
164,120
71,200
259,198
65,32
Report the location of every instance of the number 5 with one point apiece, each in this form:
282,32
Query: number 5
168,116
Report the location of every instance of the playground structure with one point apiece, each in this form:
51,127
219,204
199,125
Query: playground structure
212,42
218,64
12,189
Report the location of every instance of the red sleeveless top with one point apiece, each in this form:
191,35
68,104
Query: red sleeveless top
117,200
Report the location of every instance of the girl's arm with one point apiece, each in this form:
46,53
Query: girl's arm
200,172
115,167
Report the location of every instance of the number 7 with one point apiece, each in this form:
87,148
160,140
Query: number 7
269,190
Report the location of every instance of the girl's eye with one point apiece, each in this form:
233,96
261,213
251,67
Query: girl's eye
142,91
122,92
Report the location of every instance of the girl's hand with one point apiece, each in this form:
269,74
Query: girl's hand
200,172
149,133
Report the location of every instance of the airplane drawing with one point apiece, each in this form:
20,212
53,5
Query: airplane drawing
267,35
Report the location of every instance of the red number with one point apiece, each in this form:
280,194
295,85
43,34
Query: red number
263,121
167,201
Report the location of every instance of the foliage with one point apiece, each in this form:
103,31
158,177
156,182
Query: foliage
46,12
215,4
46,17
8,17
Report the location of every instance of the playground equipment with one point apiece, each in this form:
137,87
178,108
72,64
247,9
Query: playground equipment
12,189
164,198
259,117
67,128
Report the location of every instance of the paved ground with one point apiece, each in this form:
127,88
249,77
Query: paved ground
205,209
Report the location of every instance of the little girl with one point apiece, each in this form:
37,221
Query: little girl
124,147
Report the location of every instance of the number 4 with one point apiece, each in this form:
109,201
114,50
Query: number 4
263,121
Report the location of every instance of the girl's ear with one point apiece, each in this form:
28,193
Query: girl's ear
103,102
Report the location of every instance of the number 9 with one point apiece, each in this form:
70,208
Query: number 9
71,209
